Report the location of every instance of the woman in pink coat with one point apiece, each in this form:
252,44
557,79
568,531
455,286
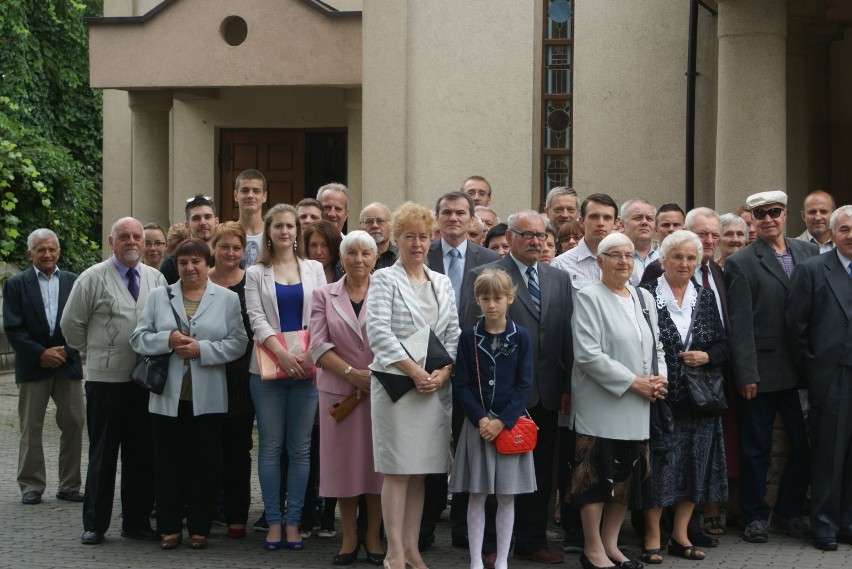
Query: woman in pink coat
340,348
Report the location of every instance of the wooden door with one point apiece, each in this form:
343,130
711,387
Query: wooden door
278,153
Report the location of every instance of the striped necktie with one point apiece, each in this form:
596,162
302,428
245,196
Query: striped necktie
455,273
535,292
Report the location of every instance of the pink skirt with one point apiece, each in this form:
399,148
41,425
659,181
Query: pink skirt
346,451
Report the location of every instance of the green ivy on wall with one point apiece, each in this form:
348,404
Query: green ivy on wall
50,130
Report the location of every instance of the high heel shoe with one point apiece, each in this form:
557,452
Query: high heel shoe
346,558
272,545
171,541
585,563
376,559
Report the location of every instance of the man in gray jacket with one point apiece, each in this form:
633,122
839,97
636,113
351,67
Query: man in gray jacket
758,280
100,315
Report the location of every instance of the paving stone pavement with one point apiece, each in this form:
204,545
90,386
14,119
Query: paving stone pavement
48,535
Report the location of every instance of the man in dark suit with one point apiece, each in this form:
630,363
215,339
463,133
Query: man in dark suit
454,255
758,281
45,368
543,306
819,333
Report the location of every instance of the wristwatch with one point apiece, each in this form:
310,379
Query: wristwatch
347,370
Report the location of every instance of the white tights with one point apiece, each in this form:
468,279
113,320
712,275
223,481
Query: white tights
476,528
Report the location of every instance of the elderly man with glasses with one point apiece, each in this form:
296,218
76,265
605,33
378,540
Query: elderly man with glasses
758,282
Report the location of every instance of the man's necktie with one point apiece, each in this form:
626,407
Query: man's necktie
455,273
850,269
535,292
705,276
133,283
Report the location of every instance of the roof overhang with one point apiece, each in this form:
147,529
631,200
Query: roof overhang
181,44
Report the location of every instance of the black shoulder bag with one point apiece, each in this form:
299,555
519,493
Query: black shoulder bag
662,418
705,385
151,372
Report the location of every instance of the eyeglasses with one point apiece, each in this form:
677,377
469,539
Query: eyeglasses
372,220
773,212
528,235
619,256
199,198
157,244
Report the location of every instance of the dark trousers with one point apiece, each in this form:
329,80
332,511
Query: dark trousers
237,443
756,418
831,459
117,419
187,449
569,516
531,510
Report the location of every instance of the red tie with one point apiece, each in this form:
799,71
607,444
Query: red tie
705,276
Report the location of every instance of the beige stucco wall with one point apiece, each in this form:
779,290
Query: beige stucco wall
288,43
630,100
449,91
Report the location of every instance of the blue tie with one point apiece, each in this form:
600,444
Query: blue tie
455,273
850,269
535,292
133,284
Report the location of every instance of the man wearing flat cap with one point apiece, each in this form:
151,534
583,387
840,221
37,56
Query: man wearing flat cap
758,280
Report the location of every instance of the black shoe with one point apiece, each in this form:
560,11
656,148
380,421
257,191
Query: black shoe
70,496
31,498
699,539
261,524
144,534
586,564
425,541
91,538
825,543
346,558
219,519
629,564
377,559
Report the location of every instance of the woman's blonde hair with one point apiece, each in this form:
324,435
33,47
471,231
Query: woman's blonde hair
494,282
411,213
266,253
228,229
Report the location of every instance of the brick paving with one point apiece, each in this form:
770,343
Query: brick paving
48,535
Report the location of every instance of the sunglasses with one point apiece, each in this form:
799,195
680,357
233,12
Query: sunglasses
762,213
199,198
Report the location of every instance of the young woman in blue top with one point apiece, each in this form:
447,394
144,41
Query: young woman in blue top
493,376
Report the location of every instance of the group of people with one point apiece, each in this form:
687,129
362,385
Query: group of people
423,335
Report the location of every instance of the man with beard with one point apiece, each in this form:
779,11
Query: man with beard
99,317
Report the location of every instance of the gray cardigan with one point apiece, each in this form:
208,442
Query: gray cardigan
101,314
607,358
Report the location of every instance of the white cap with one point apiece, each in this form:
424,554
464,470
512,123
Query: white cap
763,198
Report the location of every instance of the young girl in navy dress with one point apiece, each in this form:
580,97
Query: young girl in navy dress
493,377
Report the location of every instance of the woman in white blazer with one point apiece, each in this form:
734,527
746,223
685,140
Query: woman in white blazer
202,323
410,436
612,388
278,299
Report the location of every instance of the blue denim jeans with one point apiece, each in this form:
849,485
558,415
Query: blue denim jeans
285,415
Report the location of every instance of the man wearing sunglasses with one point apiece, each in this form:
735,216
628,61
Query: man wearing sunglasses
758,282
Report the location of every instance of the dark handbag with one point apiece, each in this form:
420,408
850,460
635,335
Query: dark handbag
519,439
662,417
151,372
397,385
705,385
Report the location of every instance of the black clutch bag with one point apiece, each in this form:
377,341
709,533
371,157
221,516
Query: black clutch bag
397,385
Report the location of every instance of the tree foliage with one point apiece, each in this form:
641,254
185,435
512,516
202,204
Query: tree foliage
50,130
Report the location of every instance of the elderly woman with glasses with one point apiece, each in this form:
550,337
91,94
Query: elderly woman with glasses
614,384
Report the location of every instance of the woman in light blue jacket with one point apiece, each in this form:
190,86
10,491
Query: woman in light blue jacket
202,324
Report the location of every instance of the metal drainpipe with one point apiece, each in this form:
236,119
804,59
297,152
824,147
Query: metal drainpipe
691,73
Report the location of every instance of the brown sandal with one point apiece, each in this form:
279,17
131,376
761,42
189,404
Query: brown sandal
713,526
652,556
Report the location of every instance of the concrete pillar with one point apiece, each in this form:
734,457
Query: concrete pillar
385,132
150,156
751,126
841,119
798,142
352,100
